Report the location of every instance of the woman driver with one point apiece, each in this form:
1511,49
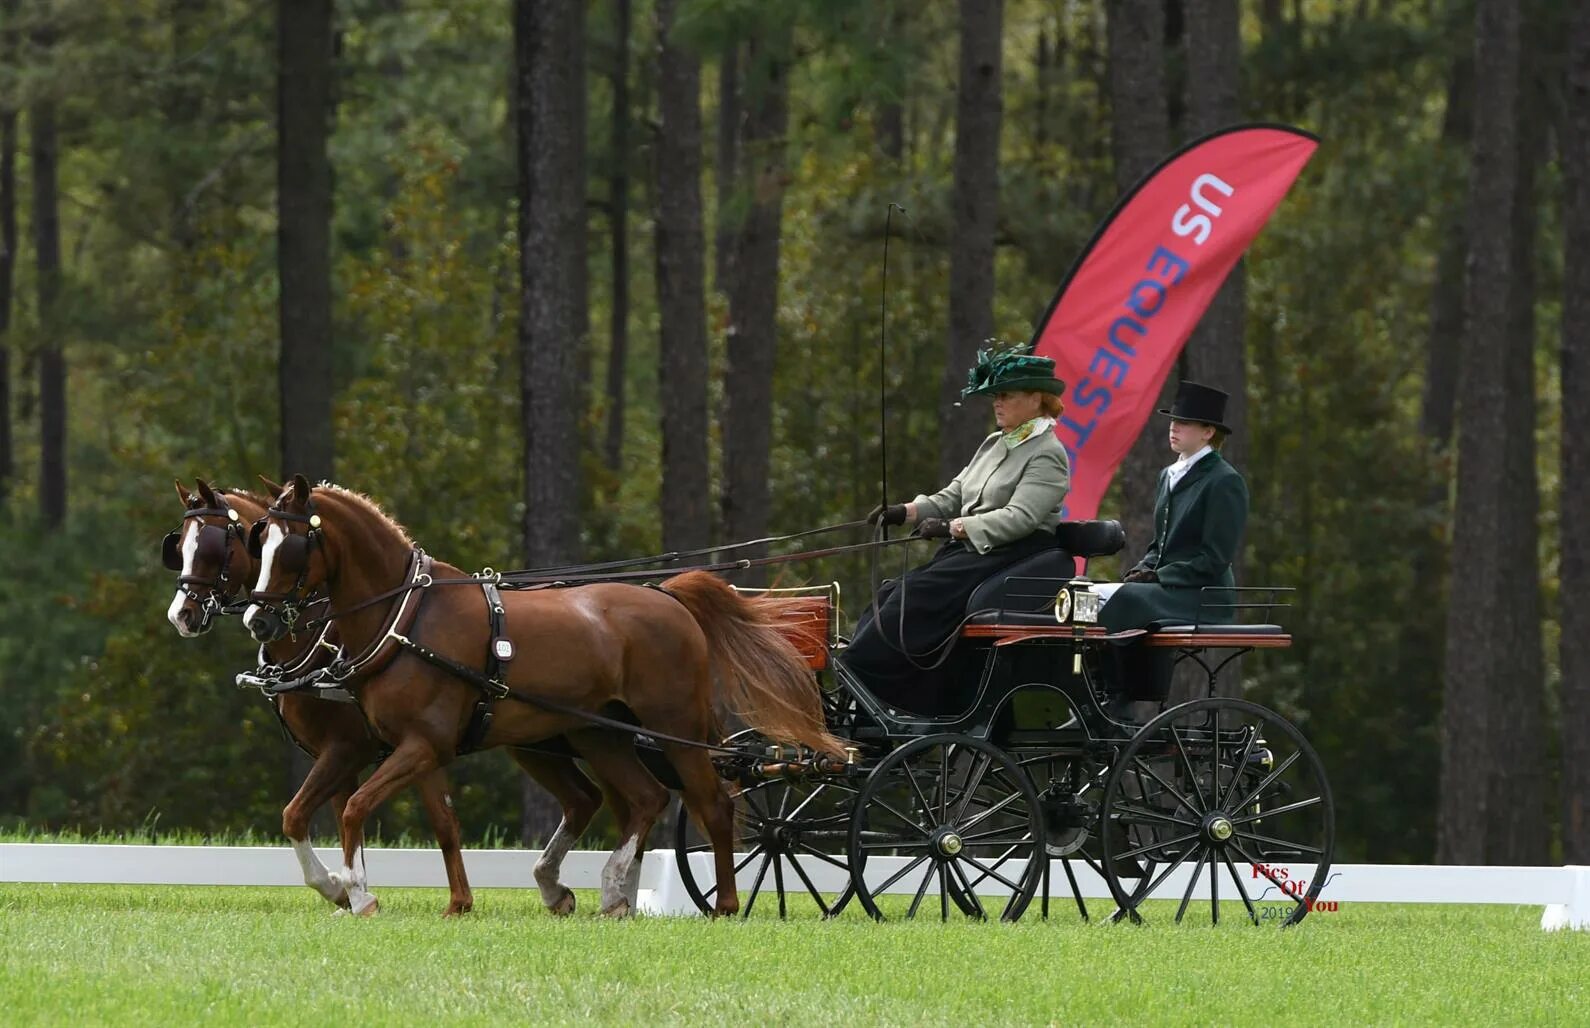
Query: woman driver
1001,508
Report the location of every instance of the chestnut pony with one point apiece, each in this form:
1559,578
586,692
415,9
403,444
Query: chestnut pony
672,658
209,550
215,568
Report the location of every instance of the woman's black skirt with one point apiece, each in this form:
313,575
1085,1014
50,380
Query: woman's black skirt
903,645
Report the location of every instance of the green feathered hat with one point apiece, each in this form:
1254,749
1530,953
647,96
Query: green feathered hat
1011,371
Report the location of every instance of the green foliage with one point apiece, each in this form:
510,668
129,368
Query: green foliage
169,302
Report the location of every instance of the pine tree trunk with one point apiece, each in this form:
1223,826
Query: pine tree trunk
1574,516
618,208
1446,300
1138,137
682,352
548,109
1215,353
8,243
303,235
753,294
727,174
1477,658
45,157
978,114
1516,808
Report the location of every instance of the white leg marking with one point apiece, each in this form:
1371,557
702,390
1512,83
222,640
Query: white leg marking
550,867
316,875
615,873
351,877
632,882
190,546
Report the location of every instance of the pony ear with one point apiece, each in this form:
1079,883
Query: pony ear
300,489
275,488
182,494
206,493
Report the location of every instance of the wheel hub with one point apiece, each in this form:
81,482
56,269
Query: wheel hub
1217,828
946,843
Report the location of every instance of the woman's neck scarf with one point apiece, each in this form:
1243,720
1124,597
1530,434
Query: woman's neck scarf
1025,431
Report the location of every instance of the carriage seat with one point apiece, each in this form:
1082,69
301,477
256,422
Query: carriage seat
1023,594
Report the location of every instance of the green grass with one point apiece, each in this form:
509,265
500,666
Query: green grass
142,955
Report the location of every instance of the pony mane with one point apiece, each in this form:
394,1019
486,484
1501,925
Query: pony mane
359,499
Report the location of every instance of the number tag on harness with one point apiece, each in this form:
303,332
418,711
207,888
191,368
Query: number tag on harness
502,649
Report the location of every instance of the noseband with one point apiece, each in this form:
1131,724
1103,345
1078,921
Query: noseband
213,600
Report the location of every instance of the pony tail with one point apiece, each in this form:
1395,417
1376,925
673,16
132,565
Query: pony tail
760,675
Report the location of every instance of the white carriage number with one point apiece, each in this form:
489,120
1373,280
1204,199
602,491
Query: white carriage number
1185,223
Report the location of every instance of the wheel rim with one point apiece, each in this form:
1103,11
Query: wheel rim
1231,792
955,824
789,840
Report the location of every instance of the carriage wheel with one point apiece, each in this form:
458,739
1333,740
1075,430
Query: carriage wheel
789,838
1220,788
951,817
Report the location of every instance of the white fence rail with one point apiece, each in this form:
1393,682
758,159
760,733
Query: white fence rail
1563,891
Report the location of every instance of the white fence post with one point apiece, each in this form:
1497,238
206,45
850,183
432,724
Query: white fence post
1576,912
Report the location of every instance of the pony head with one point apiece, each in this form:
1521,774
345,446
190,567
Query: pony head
208,553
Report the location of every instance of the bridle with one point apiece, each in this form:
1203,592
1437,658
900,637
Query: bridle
215,543
292,555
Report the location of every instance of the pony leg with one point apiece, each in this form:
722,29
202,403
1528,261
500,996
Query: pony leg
580,801
412,758
332,768
707,799
444,821
613,759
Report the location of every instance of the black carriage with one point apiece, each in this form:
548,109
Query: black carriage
1025,782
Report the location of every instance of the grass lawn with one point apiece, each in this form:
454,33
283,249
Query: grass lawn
145,955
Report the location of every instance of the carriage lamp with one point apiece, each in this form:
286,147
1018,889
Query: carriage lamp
1085,602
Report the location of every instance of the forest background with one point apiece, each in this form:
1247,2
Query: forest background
557,280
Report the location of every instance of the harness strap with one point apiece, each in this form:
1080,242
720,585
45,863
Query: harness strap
496,690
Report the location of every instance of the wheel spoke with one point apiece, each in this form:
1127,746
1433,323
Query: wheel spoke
1192,883
982,915
918,829
1214,891
1001,861
988,838
910,776
974,780
989,872
1278,811
803,804
1071,876
944,894
1242,762
921,890
756,886
989,812
1291,759
1157,816
820,855
944,782
880,890
1242,890
1161,844
1156,883
1297,901
874,846
1186,761
1283,843
1184,801
778,883
810,888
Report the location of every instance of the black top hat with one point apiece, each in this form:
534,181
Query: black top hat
1200,403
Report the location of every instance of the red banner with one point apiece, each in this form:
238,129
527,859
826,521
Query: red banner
1134,296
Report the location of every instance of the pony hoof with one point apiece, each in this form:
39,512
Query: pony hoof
458,909
726,911
619,909
565,904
